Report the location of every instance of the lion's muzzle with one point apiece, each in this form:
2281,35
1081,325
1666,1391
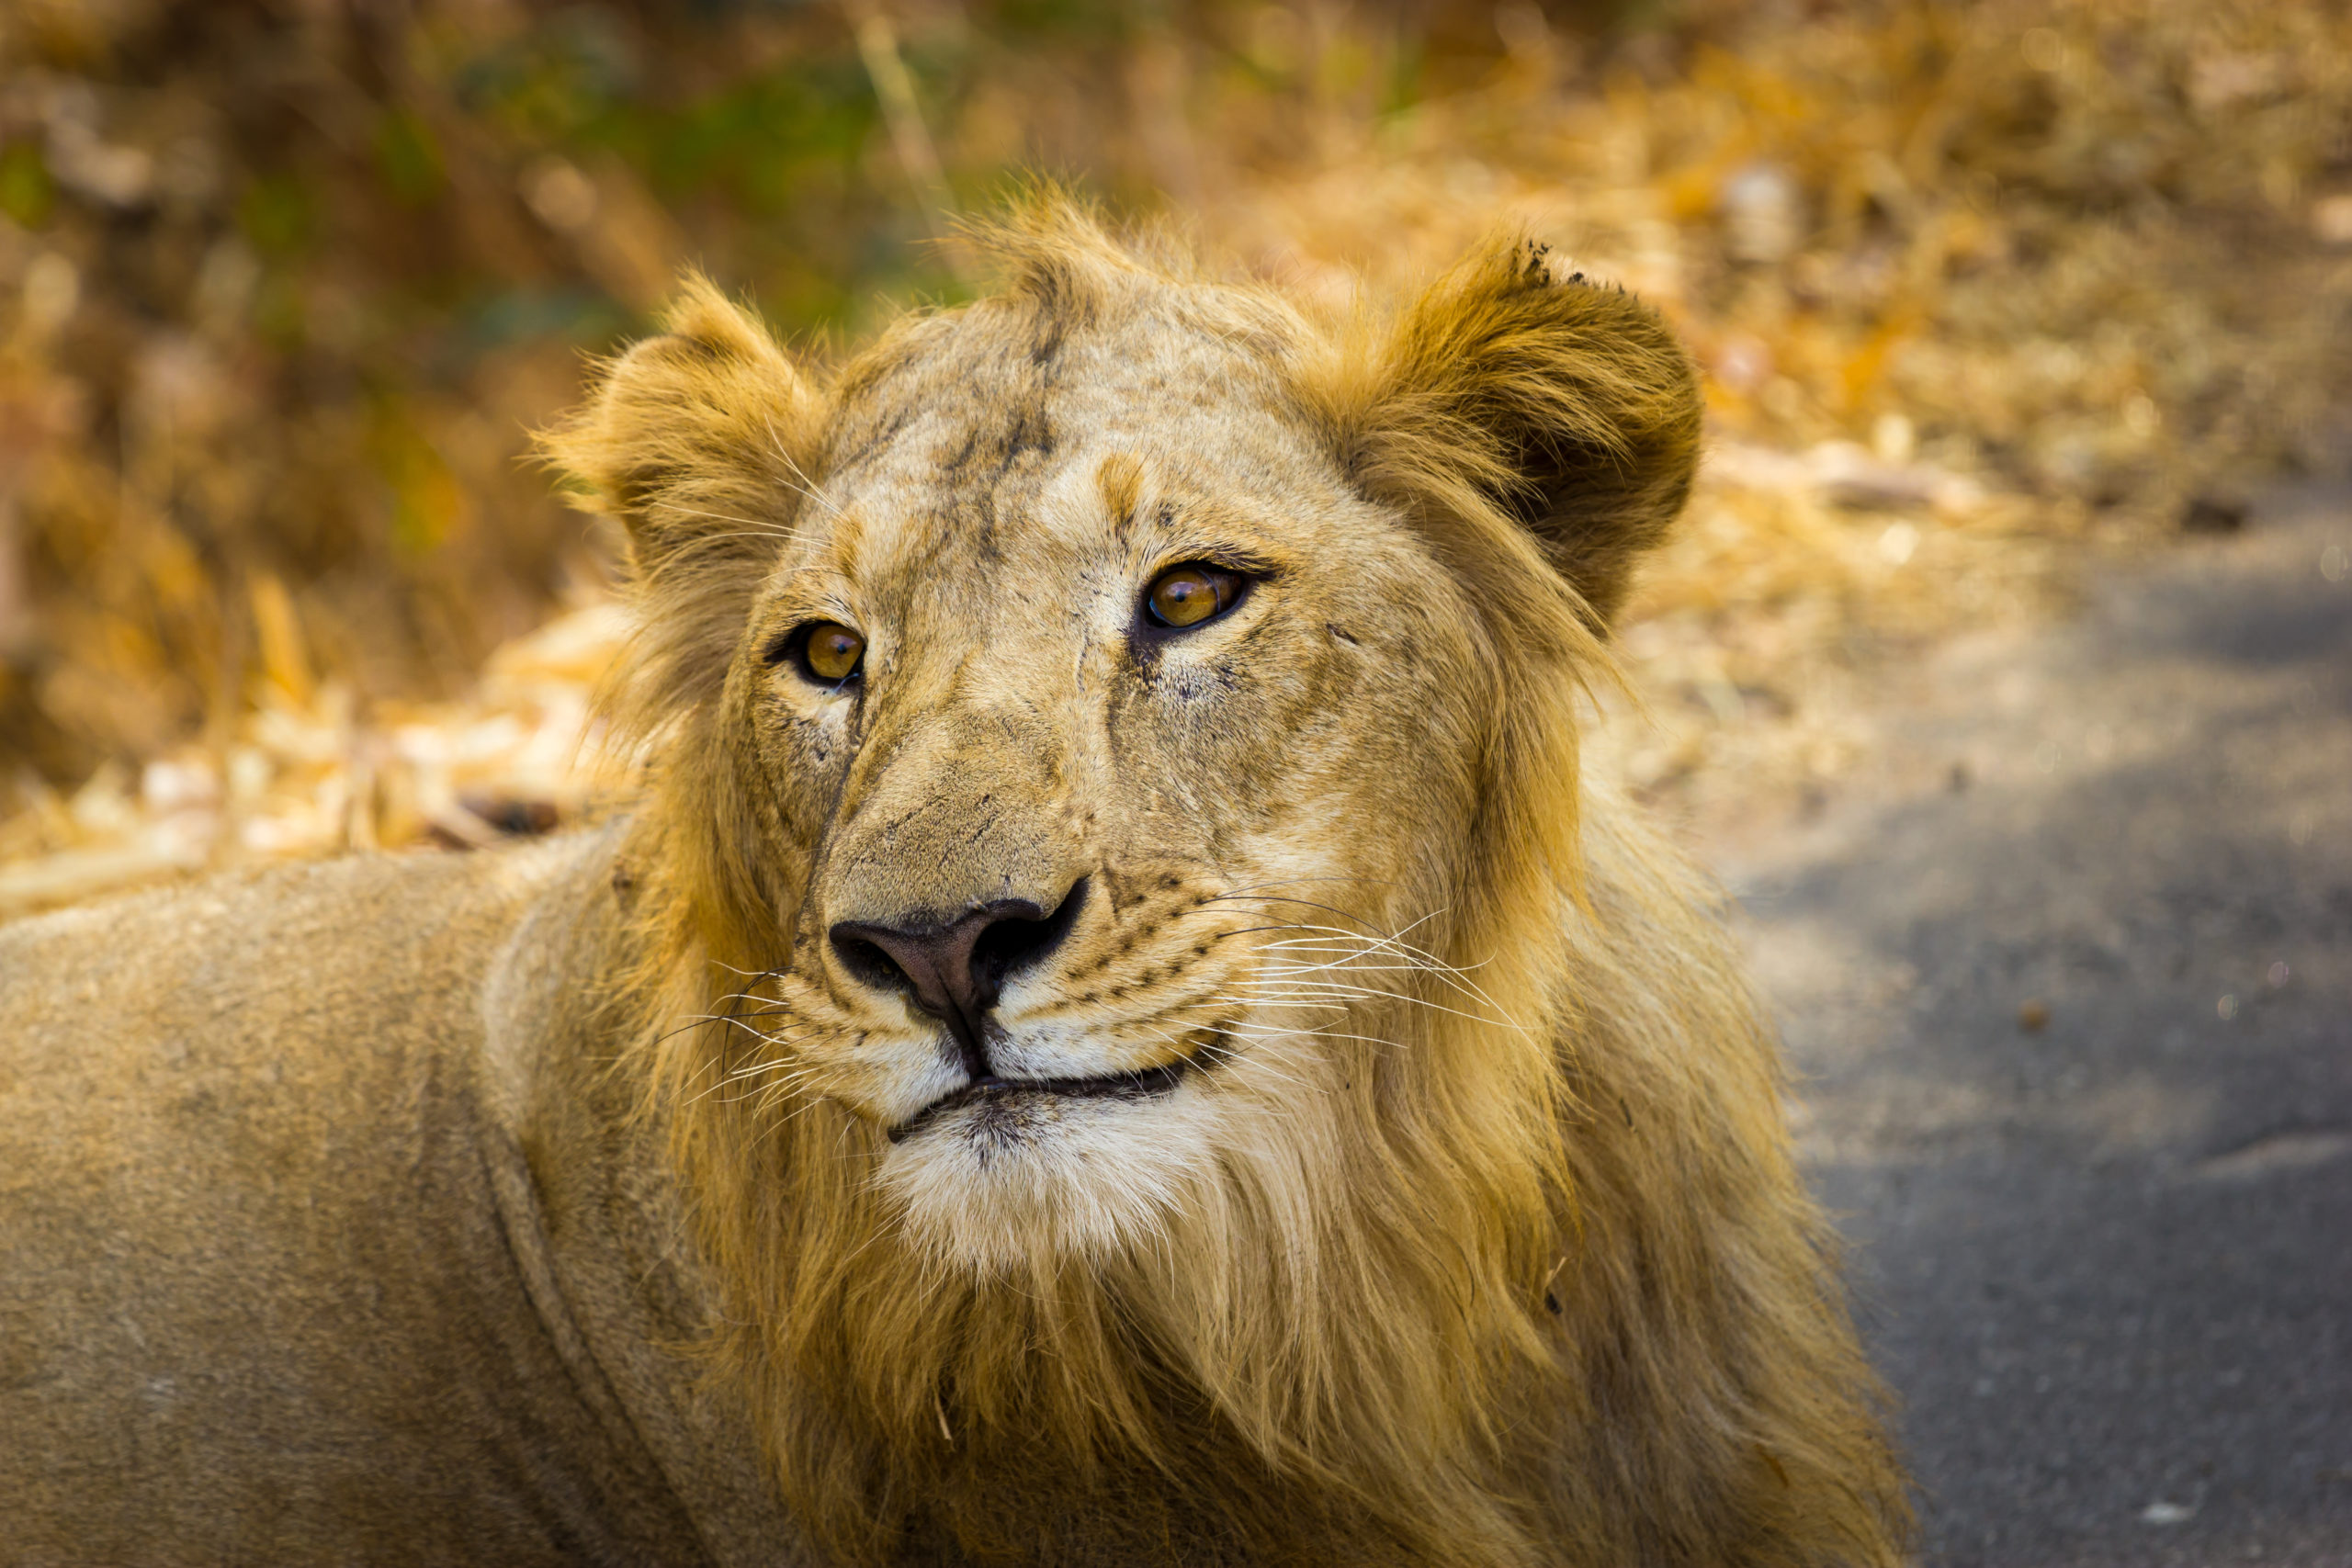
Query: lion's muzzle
955,970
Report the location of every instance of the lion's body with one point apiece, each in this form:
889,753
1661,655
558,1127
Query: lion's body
1369,1151
277,1284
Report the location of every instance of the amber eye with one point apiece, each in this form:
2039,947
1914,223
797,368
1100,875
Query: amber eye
1186,595
832,653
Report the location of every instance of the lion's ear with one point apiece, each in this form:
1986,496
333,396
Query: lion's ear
1568,407
697,441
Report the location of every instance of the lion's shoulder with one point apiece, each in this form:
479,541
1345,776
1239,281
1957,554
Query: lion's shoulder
304,932
256,1020
260,1223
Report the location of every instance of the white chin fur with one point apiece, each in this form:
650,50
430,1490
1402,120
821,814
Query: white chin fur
1004,1184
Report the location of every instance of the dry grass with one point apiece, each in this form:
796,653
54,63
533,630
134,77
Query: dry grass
1984,292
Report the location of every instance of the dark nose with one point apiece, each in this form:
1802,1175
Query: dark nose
955,971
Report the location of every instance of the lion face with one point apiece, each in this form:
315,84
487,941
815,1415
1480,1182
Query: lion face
1095,704
1085,710
1163,1063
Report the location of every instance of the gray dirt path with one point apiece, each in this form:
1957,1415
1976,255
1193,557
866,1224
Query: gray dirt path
2105,1262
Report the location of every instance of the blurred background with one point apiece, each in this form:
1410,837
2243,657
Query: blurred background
1988,295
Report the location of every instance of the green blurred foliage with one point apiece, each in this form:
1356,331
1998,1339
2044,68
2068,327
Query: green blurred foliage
26,192
409,158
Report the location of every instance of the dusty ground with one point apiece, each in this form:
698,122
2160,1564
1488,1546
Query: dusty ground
2066,969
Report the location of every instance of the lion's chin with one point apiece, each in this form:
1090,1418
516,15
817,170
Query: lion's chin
1003,1176
1006,1107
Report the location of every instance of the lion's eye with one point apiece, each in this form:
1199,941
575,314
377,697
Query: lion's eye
832,653
1186,595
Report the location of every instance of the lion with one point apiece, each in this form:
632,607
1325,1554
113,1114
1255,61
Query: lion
1115,1029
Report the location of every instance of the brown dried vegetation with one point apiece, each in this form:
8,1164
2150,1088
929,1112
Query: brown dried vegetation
1977,288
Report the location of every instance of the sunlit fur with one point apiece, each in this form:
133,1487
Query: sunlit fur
1479,1241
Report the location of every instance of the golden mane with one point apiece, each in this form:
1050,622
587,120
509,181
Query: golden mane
1555,1295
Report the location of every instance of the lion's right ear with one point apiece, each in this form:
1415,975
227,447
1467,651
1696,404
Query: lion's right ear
1507,391
698,441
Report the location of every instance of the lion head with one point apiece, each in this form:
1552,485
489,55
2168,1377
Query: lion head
1187,1064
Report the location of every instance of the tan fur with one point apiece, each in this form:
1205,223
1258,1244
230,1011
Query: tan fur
1327,1337
1471,1238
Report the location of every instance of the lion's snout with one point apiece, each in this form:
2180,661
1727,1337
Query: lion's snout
955,970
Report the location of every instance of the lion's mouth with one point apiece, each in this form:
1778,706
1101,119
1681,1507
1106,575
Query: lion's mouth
1142,1084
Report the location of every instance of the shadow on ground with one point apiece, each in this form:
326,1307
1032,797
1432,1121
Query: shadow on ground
2069,986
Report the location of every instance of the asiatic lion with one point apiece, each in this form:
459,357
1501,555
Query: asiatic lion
1114,1034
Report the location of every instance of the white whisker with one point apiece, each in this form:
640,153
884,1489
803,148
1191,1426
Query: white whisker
759,526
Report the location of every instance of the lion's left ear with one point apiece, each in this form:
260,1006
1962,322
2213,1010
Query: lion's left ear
696,440
699,441
1567,406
